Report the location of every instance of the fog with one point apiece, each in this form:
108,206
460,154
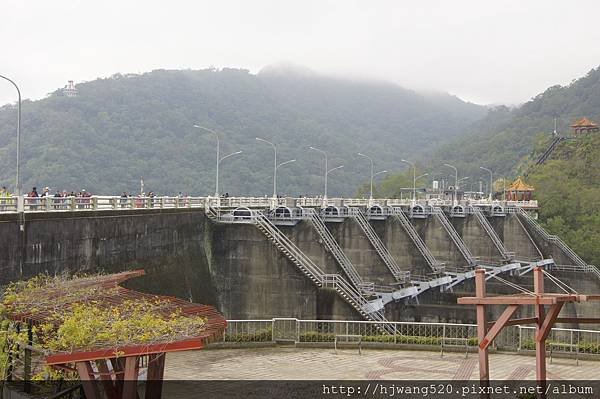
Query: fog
484,52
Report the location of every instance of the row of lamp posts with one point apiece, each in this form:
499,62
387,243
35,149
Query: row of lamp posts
276,166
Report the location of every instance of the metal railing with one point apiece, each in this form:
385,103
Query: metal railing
417,240
563,340
105,202
554,239
550,149
335,249
507,255
513,338
314,272
458,241
380,248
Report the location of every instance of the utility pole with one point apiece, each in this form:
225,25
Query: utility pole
491,180
454,200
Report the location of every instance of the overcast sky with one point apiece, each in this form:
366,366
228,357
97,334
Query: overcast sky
482,51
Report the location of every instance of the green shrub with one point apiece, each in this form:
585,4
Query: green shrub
264,335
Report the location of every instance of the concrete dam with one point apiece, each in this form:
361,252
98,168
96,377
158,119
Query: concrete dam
262,258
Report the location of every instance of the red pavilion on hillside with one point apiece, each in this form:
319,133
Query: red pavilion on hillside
583,126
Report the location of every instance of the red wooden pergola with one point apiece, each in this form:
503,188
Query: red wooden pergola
544,318
116,370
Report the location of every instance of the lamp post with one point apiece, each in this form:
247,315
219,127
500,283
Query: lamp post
372,175
378,173
326,170
280,165
220,160
491,180
326,174
414,178
455,182
218,155
17,182
415,184
274,165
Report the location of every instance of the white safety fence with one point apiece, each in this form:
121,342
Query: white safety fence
515,338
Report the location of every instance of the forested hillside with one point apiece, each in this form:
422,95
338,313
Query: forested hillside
568,190
124,127
505,138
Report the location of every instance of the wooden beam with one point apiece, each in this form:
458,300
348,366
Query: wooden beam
484,365
508,300
88,381
514,322
581,320
548,322
130,377
106,376
154,379
498,326
188,344
540,346
118,365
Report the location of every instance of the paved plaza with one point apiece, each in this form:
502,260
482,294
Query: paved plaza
283,363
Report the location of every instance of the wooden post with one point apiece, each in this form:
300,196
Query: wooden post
130,377
540,345
118,366
27,360
106,377
484,366
88,381
154,380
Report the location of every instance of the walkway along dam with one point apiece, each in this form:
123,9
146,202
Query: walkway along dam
305,258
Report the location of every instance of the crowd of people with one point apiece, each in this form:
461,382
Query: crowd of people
83,198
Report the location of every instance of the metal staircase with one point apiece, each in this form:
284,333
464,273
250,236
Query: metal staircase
335,249
417,240
314,272
375,241
531,222
458,241
550,150
506,255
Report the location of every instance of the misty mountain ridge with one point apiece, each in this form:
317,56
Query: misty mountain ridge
127,126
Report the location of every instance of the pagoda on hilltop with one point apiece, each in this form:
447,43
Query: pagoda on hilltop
583,126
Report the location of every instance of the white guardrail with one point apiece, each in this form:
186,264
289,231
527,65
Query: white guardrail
107,202
515,338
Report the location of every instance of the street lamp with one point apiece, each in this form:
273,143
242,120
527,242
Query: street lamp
415,178
220,160
218,155
491,180
275,165
280,165
17,182
326,170
372,175
415,183
378,173
455,182
326,174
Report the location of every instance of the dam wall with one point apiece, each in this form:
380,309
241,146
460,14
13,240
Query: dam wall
236,268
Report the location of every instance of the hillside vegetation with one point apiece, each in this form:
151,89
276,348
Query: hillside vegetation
504,140
124,127
568,190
